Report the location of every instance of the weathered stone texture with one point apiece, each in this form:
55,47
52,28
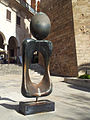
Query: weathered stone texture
81,14
63,61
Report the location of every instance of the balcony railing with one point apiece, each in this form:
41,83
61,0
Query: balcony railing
27,6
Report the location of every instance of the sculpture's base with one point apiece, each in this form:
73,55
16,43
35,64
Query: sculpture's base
28,108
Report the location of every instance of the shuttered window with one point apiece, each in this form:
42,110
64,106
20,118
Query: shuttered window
8,16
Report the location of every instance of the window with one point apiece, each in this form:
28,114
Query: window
8,16
18,20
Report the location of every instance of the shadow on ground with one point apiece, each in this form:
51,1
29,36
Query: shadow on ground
10,106
79,88
8,99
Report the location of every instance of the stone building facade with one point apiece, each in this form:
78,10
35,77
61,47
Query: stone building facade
70,34
15,25
81,15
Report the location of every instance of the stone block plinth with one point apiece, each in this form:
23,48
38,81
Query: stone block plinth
28,108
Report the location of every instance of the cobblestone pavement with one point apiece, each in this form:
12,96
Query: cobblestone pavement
71,102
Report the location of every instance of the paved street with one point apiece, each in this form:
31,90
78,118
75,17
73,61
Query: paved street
71,102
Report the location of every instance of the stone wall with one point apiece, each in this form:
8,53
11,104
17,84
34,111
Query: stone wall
81,14
63,61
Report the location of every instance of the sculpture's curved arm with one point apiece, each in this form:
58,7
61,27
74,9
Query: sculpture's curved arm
30,89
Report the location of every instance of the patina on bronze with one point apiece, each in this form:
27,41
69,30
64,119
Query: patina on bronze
30,89
40,28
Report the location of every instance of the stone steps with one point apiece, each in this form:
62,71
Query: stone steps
17,69
10,69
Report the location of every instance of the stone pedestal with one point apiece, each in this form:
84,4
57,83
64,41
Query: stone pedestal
28,108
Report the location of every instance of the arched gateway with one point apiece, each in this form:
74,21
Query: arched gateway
12,50
1,42
2,48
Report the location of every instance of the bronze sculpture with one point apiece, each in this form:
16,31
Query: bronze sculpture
40,27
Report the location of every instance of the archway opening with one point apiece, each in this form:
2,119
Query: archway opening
12,50
1,42
35,57
2,51
36,71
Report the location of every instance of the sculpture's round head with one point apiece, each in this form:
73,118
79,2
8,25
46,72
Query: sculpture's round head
40,26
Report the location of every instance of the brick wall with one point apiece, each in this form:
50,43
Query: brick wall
81,13
63,60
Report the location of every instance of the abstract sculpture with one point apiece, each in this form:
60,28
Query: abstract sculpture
40,27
